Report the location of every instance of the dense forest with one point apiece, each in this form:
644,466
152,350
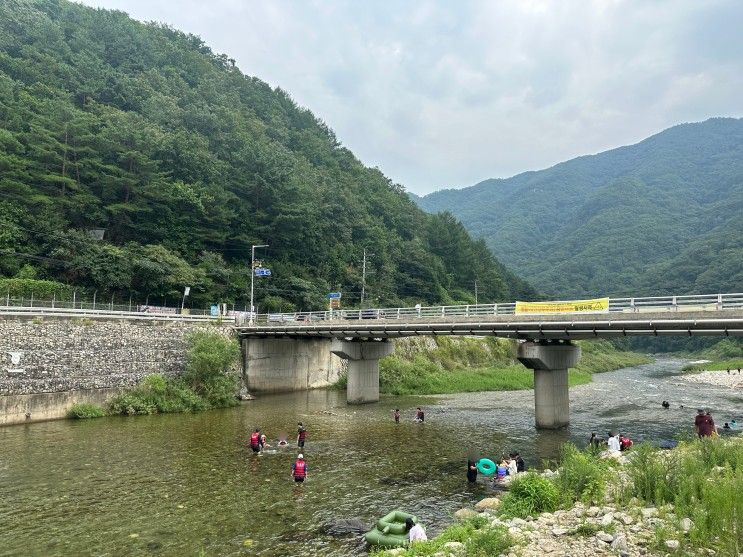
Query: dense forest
182,162
659,217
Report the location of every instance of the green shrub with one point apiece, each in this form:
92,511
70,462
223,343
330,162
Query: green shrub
40,289
207,383
85,410
583,476
492,541
529,495
209,368
586,529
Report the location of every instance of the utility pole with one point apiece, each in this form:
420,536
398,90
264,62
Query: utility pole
475,292
252,279
363,277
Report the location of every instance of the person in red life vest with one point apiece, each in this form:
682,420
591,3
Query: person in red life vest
255,441
419,416
301,435
624,442
299,469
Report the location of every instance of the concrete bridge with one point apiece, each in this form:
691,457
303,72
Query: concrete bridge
361,337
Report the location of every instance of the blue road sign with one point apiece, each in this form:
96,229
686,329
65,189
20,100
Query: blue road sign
262,272
334,295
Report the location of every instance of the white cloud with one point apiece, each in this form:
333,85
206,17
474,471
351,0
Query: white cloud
439,93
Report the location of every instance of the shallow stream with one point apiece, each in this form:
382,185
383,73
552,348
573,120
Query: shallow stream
188,485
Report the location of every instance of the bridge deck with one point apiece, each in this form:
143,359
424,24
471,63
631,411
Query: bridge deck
726,322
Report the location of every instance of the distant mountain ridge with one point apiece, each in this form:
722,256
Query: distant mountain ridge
661,216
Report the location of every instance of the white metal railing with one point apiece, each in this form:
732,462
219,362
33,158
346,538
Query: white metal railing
10,306
694,302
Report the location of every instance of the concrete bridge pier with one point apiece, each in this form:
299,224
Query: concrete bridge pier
550,361
363,367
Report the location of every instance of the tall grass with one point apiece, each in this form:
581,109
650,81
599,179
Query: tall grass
529,495
479,539
583,476
207,382
85,410
703,480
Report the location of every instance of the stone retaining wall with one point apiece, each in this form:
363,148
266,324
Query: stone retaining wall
48,364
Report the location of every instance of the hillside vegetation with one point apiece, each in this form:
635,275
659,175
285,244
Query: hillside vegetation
662,216
184,161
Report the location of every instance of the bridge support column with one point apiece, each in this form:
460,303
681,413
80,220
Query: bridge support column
550,361
363,367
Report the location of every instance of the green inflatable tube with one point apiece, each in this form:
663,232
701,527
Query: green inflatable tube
486,466
390,530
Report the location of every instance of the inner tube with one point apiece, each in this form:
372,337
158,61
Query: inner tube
485,466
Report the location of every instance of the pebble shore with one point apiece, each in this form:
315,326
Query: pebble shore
631,530
719,378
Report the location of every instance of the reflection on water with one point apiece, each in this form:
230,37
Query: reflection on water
180,484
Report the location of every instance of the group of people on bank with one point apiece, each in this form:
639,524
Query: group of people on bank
615,442
508,466
299,467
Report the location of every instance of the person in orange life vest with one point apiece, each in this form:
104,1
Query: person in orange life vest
299,469
255,441
301,435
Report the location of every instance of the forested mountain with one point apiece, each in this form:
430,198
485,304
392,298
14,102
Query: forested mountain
141,130
662,216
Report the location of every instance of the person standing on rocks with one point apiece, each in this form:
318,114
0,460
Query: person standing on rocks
613,442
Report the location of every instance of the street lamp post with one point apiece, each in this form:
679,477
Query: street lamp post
252,279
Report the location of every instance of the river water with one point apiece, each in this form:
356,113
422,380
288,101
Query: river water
188,485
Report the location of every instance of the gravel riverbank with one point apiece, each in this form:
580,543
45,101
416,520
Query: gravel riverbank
618,524
720,378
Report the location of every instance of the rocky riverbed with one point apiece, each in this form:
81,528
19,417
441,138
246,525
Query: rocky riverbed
579,532
625,528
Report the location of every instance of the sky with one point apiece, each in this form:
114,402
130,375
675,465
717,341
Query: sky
441,94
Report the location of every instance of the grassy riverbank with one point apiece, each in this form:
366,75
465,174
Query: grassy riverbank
208,382
726,354
684,502
437,365
720,365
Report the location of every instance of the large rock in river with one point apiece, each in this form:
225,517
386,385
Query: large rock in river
487,503
464,514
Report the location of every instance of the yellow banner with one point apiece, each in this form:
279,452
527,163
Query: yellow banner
599,305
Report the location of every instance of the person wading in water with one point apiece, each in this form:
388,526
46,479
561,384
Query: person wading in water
301,435
299,469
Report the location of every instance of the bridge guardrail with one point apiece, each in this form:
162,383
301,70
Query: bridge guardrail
681,303
686,302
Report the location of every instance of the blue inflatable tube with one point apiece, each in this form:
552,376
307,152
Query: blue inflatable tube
485,466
